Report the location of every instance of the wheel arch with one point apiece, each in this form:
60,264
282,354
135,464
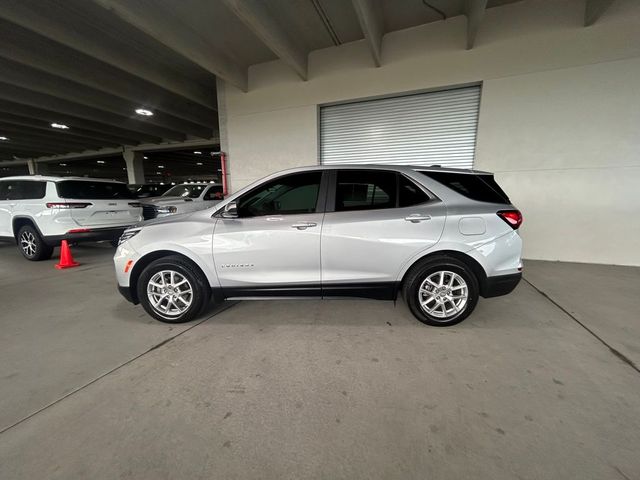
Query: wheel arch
20,221
468,260
145,260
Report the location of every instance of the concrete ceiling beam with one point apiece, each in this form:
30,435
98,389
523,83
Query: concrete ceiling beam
41,126
21,77
594,9
474,11
74,122
30,50
30,15
369,14
257,18
158,23
35,99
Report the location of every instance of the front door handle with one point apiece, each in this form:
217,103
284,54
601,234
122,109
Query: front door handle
303,225
417,218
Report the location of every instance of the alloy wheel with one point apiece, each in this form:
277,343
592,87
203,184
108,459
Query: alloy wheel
28,243
170,293
443,295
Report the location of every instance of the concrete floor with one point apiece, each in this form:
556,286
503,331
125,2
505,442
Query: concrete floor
345,389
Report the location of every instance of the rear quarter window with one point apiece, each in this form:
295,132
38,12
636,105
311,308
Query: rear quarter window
478,187
87,190
22,190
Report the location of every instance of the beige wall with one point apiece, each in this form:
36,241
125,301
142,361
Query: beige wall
559,117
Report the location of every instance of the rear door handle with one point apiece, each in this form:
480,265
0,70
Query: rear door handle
417,218
303,225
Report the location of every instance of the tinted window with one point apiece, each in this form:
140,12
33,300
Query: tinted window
214,193
22,190
365,190
87,190
185,190
409,193
286,195
482,188
5,187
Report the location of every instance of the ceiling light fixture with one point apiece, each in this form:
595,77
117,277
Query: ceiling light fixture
144,112
199,164
61,126
4,139
99,161
146,158
63,164
197,152
160,166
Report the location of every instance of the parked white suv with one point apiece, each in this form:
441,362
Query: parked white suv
38,212
182,198
442,237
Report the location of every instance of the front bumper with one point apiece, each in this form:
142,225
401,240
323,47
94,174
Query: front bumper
93,235
500,285
127,294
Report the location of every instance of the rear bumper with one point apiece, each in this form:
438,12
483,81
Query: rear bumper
93,235
500,285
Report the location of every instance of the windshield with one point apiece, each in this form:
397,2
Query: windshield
190,191
87,190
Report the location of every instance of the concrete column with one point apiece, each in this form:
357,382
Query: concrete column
31,165
135,166
222,127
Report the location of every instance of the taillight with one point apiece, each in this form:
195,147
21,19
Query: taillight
69,205
512,217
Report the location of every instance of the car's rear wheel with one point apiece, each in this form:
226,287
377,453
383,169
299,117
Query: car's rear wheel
32,245
173,290
441,291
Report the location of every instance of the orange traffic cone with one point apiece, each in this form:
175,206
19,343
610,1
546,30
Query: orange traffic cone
66,259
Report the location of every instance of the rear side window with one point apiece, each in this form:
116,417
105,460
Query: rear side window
409,194
87,190
365,190
479,187
22,190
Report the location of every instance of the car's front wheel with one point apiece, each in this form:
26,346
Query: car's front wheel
173,290
32,245
441,291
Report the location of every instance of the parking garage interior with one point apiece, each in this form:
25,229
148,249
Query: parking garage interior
543,383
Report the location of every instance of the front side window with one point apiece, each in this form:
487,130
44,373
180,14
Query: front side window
87,190
365,190
297,193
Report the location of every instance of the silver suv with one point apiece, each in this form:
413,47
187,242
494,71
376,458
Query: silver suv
440,237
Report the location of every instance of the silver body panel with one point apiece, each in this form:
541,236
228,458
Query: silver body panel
365,246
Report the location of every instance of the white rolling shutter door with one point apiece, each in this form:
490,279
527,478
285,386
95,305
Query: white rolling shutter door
436,128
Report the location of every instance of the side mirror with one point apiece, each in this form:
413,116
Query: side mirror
230,210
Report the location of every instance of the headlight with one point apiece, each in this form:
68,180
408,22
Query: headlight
127,235
167,209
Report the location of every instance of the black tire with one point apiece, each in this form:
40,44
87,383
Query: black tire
200,289
433,265
31,244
